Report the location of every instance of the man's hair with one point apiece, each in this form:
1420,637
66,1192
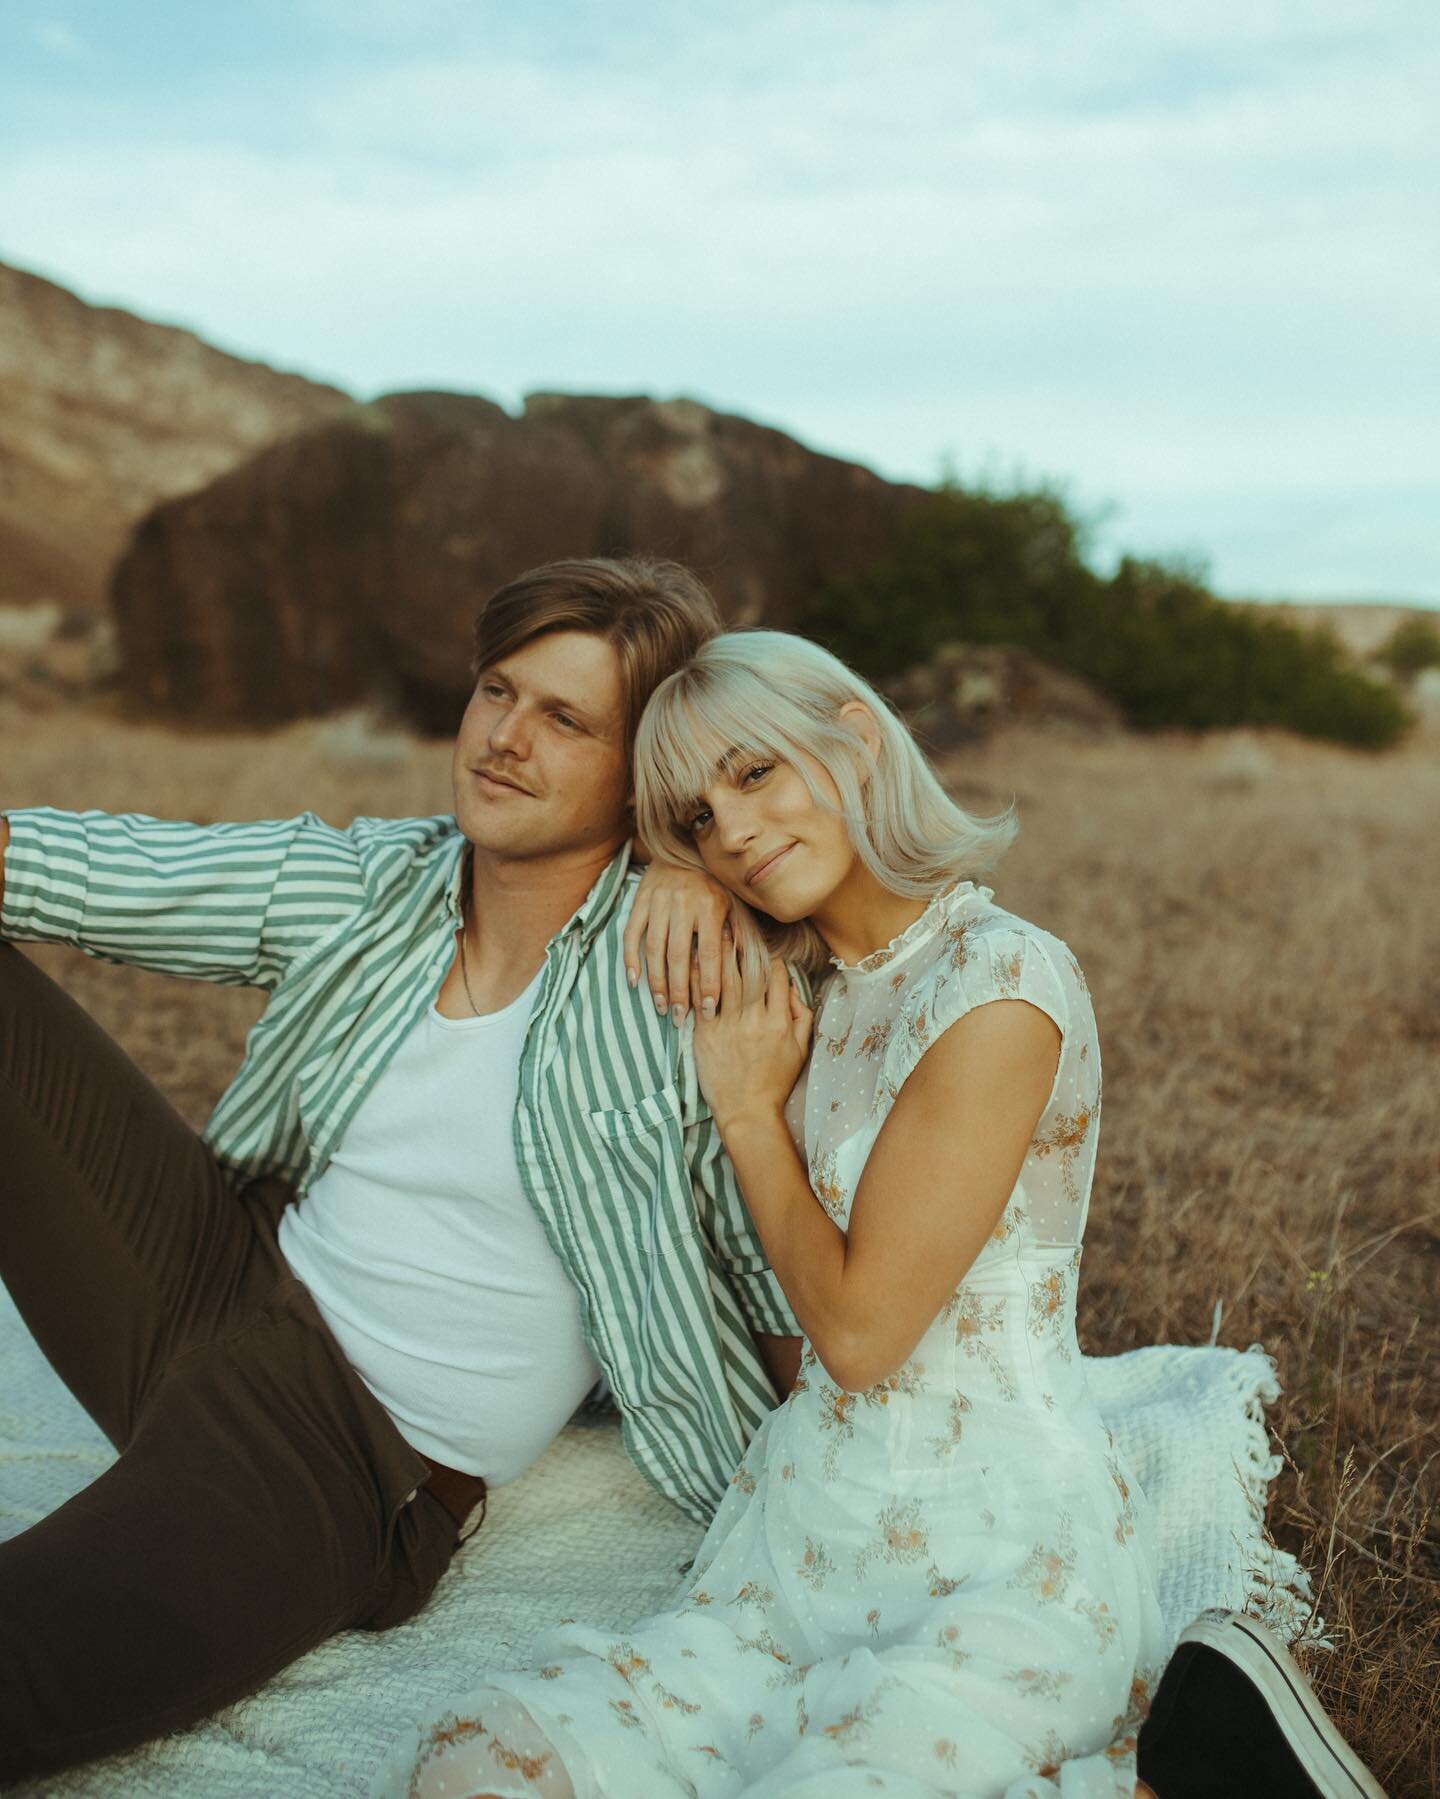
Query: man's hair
656,615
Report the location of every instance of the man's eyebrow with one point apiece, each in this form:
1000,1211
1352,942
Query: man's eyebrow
553,702
556,702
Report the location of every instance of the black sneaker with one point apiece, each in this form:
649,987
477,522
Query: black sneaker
1234,1718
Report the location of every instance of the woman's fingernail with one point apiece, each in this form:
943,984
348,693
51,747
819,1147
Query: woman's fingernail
633,976
659,999
708,1008
678,1014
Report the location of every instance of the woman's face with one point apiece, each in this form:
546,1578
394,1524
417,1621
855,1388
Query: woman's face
760,833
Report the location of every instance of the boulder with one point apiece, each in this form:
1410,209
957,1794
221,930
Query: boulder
345,566
965,690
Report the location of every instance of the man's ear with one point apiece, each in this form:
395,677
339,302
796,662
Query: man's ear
863,722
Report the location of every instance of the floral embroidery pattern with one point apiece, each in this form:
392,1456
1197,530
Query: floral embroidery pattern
948,1441
854,1722
1039,1683
1065,1138
1098,1615
825,1185
959,942
906,1379
1051,1306
942,1586
756,1594
1048,1755
1125,1522
1047,1569
1007,970
876,1037
815,1564
947,1640
903,1537
974,1321
837,1414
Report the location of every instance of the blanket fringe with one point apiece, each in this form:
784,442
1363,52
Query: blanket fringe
1278,1590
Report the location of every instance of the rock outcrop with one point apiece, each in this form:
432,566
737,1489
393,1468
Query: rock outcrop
103,414
966,690
346,565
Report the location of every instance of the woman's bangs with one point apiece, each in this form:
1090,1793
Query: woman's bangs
697,727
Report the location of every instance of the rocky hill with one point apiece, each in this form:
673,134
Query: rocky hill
103,414
346,565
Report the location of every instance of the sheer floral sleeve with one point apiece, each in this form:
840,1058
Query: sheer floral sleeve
986,957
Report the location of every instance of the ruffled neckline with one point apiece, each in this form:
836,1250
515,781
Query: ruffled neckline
936,915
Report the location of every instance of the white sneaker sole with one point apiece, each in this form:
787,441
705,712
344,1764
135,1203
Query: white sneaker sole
1319,1748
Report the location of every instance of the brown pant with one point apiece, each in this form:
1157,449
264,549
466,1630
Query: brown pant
262,1499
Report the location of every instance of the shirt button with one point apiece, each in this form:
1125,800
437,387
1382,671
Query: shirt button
359,1076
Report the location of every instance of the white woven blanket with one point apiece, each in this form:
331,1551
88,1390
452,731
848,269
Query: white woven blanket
582,1535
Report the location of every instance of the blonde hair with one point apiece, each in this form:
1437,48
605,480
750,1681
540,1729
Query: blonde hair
771,694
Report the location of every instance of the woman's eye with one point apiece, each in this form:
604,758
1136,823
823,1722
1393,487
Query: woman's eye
757,771
698,823
569,723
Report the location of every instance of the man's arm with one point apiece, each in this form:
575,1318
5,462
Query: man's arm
227,903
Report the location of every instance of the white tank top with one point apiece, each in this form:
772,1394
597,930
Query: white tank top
429,1265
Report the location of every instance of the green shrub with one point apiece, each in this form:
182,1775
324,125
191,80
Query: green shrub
1411,648
987,568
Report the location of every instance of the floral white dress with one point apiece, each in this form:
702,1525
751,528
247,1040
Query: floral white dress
939,1586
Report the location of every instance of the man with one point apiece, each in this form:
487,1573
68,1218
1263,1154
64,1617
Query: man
464,1169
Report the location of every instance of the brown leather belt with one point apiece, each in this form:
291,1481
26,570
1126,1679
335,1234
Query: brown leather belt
464,1496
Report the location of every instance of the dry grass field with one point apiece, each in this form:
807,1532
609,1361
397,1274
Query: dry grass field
1259,923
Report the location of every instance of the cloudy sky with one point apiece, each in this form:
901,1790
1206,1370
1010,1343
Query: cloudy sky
1183,259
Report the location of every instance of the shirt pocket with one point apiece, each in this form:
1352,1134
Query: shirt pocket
643,1148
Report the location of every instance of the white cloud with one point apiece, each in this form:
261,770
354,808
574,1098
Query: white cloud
57,38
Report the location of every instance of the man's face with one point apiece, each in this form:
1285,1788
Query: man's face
540,767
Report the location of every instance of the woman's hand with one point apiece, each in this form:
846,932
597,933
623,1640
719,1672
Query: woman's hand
750,1056
679,913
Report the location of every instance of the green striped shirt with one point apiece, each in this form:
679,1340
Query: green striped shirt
351,933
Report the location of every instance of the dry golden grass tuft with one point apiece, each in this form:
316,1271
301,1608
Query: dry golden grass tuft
1258,921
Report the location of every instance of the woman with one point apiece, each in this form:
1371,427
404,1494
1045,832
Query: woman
930,1573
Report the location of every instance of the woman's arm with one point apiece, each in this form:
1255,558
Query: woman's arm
935,1184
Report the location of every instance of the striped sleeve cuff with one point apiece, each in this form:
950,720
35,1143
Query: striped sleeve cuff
766,1309
47,876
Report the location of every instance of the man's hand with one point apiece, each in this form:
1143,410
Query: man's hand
678,912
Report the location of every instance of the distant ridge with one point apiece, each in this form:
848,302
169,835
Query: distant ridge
103,415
